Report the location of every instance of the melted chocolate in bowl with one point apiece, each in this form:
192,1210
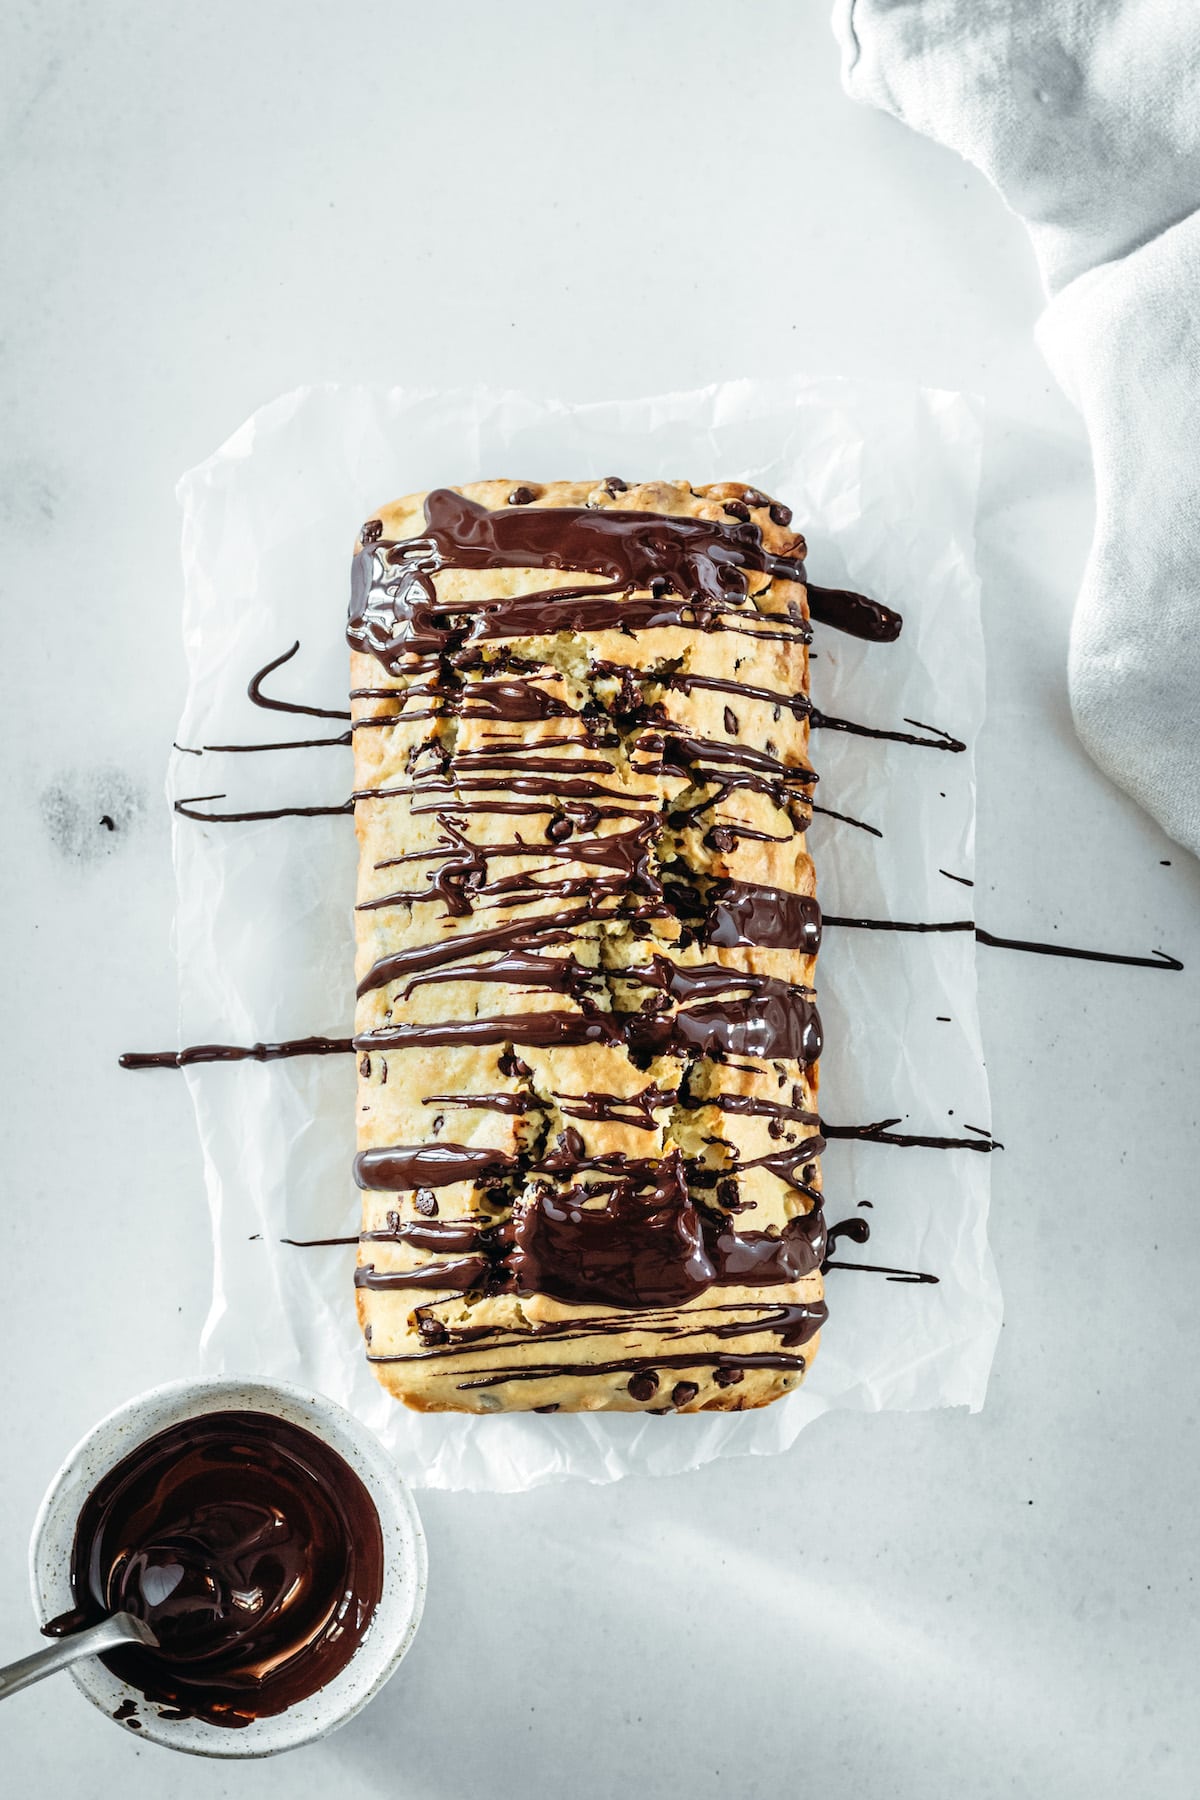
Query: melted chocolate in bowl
252,1550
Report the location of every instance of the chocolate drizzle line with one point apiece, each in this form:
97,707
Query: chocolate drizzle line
913,1277
845,819
208,1053
854,613
1158,960
343,738
256,695
858,1230
187,809
883,1134
941,740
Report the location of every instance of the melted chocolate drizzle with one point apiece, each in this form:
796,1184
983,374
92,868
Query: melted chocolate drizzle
939,740
186,808
207,1053
905,1140
647,1246
258,698
694,569
1157,960
854,613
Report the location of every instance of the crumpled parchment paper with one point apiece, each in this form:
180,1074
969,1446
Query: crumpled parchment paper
882,479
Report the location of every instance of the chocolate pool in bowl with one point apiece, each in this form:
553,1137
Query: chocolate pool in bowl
251,1549
267,1539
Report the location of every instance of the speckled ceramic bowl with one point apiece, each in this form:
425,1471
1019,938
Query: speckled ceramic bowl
396,1618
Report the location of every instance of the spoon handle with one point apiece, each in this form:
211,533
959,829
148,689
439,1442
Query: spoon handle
109,1634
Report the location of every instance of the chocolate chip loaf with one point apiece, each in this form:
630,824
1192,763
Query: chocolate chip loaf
586,925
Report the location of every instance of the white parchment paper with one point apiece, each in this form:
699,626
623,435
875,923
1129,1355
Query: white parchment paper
882,479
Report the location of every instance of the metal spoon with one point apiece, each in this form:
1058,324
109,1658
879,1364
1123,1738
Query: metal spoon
109,1634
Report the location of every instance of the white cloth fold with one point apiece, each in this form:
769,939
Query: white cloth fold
1085,114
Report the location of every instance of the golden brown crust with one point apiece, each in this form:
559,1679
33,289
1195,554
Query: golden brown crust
529,1096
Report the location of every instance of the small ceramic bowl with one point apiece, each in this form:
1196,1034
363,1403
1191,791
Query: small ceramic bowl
396,1618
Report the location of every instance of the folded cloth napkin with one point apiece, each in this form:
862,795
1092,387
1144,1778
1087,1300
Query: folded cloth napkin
1086,116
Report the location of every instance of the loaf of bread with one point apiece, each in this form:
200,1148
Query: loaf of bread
586,925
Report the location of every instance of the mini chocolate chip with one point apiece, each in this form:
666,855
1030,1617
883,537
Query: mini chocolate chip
364,1067
643,1385
559,830
721,839
438,1123
586,817
372,531
426,1203
731,723
727,1376
615,485
551,1407
752,497
383,1077
368,1332
682,1392
509,1063
780,514
727,1191
521,496
433,1331
736,510
775,1128
659,586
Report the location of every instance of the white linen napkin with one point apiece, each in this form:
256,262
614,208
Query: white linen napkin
1085,114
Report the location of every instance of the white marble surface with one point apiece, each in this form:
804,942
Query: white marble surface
206,205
